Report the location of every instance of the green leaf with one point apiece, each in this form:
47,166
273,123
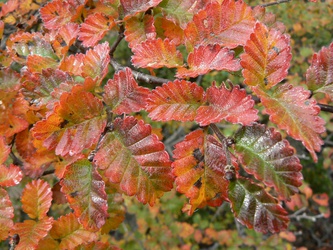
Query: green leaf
85,192
271,159
255,208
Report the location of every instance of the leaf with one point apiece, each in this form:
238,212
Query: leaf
229,24
181,12
75,124
255,208
56,14
173,31
271,159
137,30
10,176
319,76
36,199
94,28
132,7
123,94
36,63
96,61
69,33
206,58
13,109
9,79
136,159
6,214
291,109
156,53
70,233
267,57
72,64
85,192
223,104
4,150
178,100
31,232
199,169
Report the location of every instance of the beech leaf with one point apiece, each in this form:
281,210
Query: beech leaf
137,30
85,192
206,58
75,124
123,94
31,232
10,176
70,233
199,169
291,109
271,159
36,199
6,214
94,28
178,100
256,208
319,76
232,105
136,159
267,57
36,63
156,53
228,24
132,7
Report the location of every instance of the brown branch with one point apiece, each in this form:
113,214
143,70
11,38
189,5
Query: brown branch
138,75
119,39
274,3
324,107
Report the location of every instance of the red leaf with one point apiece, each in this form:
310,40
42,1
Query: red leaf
267,57
96,61
156,54
271,159
256,208
10,176
72,64
321,199
291,109
31,232
229,24
69,32
123,94
85,192
173,31
36,199
6,214
75,124
319,76
231,105
136,159
94,28
57,13
206,58
199,169
137,30
132,7
178,100
4,150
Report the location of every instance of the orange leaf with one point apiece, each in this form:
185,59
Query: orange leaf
6,214
132,7
10,176
36,199
156,53
4,150
36,63
31,232
321,199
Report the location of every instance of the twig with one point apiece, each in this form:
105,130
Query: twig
274,3
138,75
300,214
324,107
119,38
223,140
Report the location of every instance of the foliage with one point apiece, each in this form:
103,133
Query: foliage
81,128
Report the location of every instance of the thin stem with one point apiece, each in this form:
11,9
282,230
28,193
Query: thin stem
223,140
274,3
138,75
324,107
119,39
